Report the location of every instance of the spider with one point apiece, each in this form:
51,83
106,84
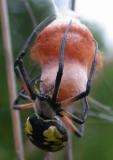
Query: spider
46,127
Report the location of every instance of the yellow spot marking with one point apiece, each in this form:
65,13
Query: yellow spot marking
52,134
28,127
45,143
36,89
54,148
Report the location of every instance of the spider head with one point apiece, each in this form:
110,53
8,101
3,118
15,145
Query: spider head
47,134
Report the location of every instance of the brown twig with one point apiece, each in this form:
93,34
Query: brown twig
30,12
48,156
68,148
73,5
11,79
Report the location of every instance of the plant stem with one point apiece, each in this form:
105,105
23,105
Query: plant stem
11,79
68,148
73,5
30,12
48,156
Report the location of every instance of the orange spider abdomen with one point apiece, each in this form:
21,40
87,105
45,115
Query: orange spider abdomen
79,53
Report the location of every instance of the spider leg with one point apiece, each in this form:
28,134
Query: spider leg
21,95
67,117
35,32
85,109
61,64
73,128
20,69
83,115
19,66
88,85
73,117
91,74
23,106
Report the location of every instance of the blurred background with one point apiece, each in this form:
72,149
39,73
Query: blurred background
97,143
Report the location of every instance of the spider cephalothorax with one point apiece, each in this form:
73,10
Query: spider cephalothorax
59,48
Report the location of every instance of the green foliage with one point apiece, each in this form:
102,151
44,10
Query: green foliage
103,90
98,33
